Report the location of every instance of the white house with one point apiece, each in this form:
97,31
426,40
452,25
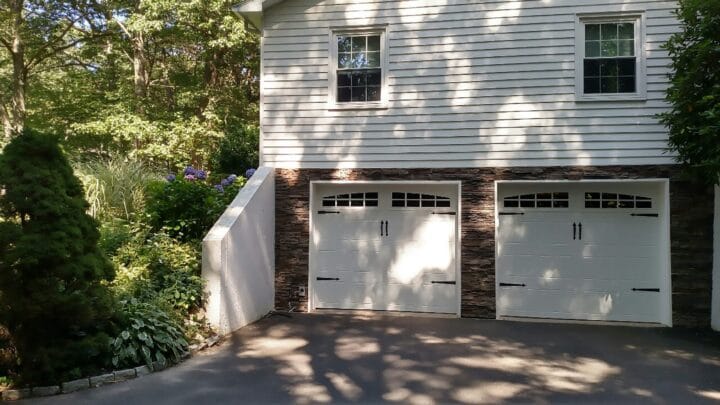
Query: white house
480,158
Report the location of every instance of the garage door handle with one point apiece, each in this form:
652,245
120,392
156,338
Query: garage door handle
574,231
381,228
511,285
444,213
511,213
580,231
327,279
386,228
644,215
328,212
443,282
647,289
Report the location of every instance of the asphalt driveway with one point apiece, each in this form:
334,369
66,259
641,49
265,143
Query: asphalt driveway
313,358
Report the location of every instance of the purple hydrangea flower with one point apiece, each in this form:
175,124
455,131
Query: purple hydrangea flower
231,178
201,174
219,188
170,177
189,171
190,177
249,173
225,182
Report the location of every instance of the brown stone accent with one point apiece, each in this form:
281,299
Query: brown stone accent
691,218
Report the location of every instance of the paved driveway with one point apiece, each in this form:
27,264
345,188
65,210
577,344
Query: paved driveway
371,358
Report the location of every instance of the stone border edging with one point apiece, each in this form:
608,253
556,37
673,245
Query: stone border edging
88,382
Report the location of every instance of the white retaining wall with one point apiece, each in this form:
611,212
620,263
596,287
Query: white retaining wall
239,257
716,265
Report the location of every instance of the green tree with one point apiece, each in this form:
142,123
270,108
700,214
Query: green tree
694,93
36,34
53,278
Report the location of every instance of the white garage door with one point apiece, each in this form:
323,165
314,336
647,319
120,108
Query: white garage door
589,251
384,247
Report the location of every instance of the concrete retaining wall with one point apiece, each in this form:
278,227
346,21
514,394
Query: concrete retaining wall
239,257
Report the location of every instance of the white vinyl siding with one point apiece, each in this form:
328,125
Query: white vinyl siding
469,84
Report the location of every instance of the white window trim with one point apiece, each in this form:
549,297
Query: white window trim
638,17
382,30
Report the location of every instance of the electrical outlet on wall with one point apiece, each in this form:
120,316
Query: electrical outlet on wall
301,291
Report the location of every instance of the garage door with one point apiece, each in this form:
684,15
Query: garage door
588,251
384,247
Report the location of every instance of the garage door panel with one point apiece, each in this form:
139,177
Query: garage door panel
387,255
585,271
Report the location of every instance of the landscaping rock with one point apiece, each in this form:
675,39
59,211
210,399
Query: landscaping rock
158,366
212,341
46,391
123,375
142,370
102,380
76,385
14,395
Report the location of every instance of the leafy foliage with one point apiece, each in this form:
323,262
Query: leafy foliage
187,207
155,267
53,297
238,151
149,335
115,187
694,120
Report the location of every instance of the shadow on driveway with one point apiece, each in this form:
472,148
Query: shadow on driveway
318,358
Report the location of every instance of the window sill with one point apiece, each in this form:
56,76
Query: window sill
357,106
610,97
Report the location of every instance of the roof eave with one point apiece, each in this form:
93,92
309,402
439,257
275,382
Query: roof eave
252,10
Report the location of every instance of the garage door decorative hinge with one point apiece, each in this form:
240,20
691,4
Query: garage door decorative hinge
327,279
328,212
644,215
647,289
511,213
444,213
511,285
442,282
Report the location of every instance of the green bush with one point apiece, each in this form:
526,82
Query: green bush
694,91
187,207
148,335
53,294
238,150
115,187
153,267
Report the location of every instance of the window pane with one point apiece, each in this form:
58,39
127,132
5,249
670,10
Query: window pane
344,61
374,78
608,68
343,94
609,31
592,67
359,44
608,48
358,78
358,94
343,44
626,84
374,43
626,67
626,47
626,31
592,49
359,60
344,79
592,85
592,32
608,85
373,93
373,59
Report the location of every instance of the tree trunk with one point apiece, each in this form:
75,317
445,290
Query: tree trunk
19,76
140,71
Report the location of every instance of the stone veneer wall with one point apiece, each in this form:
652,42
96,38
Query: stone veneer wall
691,229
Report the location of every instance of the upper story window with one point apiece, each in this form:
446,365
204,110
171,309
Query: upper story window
357,69
609,58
